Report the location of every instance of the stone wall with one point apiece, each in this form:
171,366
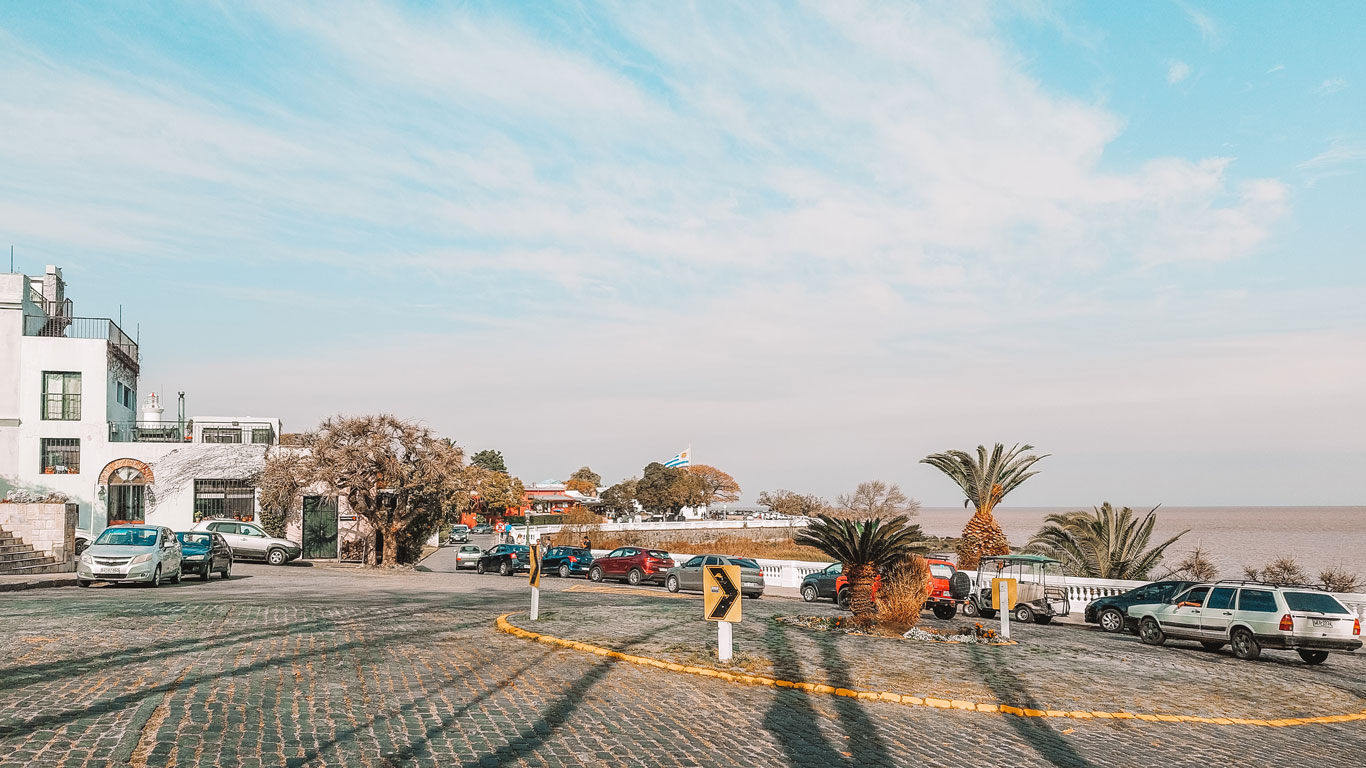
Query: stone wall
50,528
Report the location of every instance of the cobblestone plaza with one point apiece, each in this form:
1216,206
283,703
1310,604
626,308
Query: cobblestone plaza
317,666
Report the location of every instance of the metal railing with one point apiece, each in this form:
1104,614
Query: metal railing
60,326
147,432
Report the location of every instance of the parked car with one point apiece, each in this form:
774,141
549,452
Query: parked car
1040,595
842,594
1111,613
141,553
567,561
460,534
467,556
205,553
482,529
689,574
948,588
821,583
1250,616
632,565
506,559
250,542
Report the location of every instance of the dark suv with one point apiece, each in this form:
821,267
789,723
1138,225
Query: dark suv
567,561
506,559
821,583
1112,613
632,565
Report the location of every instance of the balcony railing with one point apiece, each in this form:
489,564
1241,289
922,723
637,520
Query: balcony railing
148,432
86,328
250,432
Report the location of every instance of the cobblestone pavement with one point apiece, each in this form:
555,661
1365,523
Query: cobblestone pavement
320,666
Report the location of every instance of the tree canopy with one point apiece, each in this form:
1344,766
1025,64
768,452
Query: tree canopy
585,478
794,504
715,486
985,481
489,459
876,499
619,500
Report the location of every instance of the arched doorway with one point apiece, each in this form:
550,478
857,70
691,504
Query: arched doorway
123,483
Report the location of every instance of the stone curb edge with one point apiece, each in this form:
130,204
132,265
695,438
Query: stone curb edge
917,701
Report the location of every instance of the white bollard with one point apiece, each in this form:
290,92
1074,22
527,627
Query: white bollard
723,640
1005,609
535,603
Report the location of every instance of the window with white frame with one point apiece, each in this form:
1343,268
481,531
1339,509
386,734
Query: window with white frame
61,396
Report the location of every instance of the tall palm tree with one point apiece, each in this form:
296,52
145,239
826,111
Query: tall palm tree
985,480
865,547
1104,544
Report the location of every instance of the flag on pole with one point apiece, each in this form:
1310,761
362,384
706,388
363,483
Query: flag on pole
683,459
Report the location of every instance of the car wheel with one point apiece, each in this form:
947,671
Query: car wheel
810,593
1111,620
1022,614
595,574
970,609
82,583
479,568
156,577
564,570
1150,632
671,583
276,557
1245,646
505,568
945,612
635,577
227,572
844,599
179,574
1314,657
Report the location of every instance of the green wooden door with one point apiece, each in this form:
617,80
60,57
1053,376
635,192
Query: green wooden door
320,528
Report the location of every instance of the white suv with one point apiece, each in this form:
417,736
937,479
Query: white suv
248,540
1250,616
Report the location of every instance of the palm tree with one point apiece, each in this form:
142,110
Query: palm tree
866,548
985,480
1104,544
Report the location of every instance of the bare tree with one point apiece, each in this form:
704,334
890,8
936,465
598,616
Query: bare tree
875,498
281,488
395,474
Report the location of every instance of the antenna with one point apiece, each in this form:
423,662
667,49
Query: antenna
120,315
11,258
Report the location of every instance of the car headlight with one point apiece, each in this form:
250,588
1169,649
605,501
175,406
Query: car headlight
195,557
87,560
147,558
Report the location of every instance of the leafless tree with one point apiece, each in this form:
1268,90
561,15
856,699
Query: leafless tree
875,498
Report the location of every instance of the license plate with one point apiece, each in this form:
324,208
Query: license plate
1322,622
109,570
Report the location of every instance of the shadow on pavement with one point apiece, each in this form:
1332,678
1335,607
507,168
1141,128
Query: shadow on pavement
794,723
1010,687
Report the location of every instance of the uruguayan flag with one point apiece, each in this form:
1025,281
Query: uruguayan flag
681,460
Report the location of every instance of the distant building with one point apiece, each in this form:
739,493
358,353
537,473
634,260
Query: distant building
70,422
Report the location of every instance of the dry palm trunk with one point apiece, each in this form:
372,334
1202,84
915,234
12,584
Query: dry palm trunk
982,536
861,592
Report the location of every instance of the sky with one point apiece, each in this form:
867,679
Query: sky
813,241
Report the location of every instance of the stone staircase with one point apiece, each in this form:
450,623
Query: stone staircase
18,558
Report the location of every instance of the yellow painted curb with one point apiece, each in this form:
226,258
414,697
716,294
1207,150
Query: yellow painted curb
916,701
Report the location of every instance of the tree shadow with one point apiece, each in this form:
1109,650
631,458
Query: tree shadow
1010,687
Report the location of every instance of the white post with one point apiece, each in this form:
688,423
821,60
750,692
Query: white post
535,602
723,640
1005,609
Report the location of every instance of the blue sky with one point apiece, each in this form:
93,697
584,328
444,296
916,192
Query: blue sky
815,241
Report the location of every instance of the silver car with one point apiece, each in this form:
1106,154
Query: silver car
689,574
1250,616
467,556
248,540
141,553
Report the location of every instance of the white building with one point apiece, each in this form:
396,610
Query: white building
69,423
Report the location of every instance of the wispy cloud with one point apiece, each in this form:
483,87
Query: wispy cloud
1332,85
1209,30
1277,68
1177,71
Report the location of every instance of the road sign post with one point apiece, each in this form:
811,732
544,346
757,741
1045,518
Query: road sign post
535,578
1003,595
721,602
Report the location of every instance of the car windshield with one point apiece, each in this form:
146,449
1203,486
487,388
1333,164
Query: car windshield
1316,602
128,537
199,539
659,553
469,549
520,549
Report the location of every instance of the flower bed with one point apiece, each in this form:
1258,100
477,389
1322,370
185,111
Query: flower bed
976,634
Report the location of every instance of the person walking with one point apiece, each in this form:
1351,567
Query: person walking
587,544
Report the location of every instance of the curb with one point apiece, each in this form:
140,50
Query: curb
504,625
18,586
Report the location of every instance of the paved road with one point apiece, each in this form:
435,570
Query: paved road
320,666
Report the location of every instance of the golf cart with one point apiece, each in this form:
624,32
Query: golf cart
1041,591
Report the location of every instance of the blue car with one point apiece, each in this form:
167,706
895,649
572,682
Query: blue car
566,561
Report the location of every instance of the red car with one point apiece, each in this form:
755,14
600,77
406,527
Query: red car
632,565
941,597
